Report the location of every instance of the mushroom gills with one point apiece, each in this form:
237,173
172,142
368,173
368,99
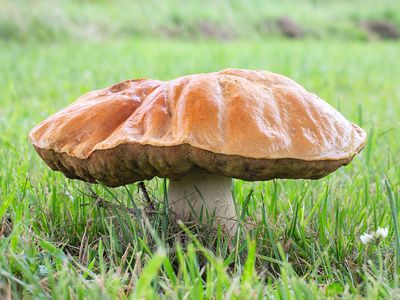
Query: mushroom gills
204,197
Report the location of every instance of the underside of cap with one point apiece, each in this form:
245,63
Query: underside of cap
130,163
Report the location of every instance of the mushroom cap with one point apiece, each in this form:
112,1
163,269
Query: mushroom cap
252,125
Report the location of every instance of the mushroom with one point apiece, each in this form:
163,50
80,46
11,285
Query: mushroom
200,131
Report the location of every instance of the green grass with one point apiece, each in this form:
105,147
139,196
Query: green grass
58,242
217,19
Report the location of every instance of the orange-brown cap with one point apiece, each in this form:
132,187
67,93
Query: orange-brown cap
253,125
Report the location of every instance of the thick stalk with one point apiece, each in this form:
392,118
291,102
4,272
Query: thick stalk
204,196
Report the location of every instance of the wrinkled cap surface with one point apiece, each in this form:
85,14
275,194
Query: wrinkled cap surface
253,125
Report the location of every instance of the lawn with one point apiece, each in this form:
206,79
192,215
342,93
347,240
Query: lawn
56,241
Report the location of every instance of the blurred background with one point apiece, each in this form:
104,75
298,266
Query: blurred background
222,20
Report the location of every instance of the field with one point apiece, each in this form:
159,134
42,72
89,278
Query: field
48,20
56,241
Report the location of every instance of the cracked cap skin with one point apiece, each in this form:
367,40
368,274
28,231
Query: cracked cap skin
246,124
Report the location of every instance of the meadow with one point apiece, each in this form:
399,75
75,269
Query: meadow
47,20
59,241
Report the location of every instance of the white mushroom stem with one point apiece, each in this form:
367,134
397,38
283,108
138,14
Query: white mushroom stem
204,197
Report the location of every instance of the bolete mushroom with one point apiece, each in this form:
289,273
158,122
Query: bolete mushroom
200,131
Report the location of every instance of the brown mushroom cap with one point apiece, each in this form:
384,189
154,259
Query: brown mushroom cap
252,125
